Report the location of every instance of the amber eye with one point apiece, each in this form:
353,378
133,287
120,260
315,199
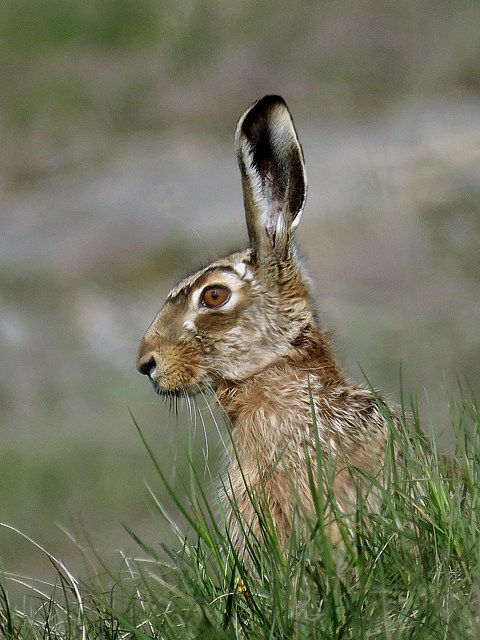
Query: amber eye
214,297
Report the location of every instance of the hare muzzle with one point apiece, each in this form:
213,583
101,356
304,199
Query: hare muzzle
173,368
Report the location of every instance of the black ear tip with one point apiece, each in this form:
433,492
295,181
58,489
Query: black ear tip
260,111
266,104
269,101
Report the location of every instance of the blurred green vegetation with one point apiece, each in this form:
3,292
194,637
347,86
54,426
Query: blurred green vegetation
77,68
31,26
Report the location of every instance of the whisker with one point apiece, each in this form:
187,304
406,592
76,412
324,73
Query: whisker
198,409
192,414
207,403
205,451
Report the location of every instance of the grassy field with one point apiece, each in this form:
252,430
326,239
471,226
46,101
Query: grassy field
116,120
412,570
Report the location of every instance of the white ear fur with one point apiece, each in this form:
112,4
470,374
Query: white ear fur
273,174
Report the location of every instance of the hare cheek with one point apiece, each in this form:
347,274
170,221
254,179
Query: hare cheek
216,324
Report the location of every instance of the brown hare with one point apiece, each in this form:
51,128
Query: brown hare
245,327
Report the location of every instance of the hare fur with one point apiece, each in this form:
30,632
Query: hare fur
245,327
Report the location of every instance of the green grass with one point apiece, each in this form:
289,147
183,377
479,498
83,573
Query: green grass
411,570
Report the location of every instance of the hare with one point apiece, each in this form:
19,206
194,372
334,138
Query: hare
245,327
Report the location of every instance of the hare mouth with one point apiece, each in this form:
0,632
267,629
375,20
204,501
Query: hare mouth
178,392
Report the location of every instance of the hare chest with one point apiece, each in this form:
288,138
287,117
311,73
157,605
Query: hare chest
272,457
279,430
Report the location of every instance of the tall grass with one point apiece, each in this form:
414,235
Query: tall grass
410,570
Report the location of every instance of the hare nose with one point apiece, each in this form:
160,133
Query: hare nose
146,365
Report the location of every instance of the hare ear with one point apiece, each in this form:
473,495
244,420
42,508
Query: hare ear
273,175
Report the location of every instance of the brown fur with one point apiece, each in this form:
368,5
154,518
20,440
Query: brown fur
263,352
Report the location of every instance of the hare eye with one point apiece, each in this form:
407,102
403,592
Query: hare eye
214,297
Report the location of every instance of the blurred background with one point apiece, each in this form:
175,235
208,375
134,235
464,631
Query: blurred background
118,175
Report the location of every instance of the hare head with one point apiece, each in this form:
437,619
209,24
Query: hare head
244,312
